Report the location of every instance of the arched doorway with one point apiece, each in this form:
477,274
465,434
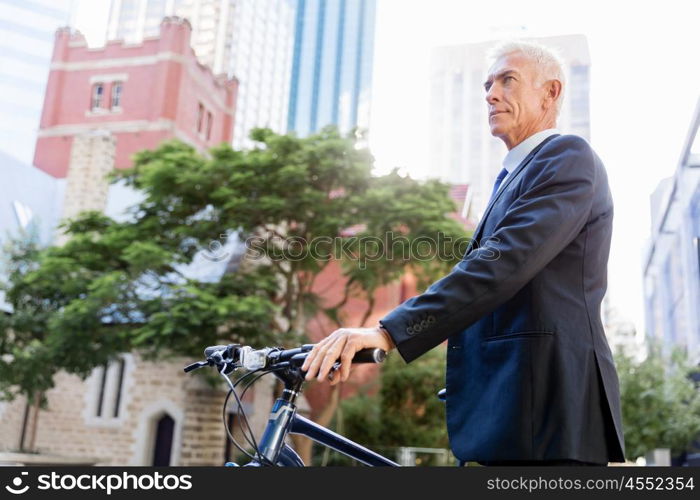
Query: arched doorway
163,444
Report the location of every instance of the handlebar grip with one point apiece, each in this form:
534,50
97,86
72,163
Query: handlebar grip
371,355
194,366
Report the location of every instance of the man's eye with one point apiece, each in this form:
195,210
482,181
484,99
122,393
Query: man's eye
506,78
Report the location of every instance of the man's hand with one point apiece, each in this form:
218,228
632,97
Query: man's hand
341,345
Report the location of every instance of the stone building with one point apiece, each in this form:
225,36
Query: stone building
101,106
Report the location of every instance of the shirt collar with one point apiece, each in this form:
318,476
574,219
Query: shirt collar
516,155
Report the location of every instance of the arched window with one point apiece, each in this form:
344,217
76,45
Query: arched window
158,434
98,91
163,440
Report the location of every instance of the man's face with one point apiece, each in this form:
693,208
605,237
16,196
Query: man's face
515,101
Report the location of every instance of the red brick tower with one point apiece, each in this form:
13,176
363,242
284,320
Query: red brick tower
103,105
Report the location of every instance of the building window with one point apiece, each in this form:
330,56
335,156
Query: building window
101,393
120,387
200,117
116,95
97,92
110,393
163,442
209,123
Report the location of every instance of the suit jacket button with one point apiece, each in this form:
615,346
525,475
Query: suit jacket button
431,319
410,331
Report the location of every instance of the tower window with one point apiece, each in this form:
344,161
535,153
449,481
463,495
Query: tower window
97,92
200,117
209,124
116,95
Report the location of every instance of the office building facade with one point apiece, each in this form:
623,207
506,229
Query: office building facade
26,42
261,59
672,258
332,65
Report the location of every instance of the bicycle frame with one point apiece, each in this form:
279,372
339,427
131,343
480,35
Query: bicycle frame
285,420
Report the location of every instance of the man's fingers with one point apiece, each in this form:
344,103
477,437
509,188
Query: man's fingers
319,352
310,357
316,356
346,361
336,347
330,357
311,362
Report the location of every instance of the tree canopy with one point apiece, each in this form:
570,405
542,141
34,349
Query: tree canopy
122,285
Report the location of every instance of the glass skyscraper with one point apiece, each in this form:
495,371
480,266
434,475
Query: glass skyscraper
332,65
672,257
27,31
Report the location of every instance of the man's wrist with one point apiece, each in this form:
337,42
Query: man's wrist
387,335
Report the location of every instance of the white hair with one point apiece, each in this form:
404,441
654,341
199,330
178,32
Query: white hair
548,61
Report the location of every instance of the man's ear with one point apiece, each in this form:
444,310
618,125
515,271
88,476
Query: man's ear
553,92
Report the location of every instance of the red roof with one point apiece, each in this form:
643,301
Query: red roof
459,192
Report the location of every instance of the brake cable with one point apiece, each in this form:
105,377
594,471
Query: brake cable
254,444
241,412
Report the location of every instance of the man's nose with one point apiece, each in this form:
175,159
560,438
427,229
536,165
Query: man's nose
492,94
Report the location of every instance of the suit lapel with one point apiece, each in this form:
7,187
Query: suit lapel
511,177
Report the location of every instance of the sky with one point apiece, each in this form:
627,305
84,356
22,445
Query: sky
645,84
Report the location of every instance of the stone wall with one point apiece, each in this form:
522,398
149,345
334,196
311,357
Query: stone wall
70,426
91,160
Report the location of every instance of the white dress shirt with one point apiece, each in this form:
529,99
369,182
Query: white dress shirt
516,155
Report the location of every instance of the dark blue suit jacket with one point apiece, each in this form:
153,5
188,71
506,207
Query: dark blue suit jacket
530,375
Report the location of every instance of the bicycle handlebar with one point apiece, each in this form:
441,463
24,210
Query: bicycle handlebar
237,356
286,366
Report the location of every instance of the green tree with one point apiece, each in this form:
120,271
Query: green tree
118,286
109,290
660,402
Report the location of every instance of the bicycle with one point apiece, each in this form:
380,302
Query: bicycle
285,364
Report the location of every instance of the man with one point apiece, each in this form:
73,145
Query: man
530,376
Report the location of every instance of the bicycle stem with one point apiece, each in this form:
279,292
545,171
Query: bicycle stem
281,415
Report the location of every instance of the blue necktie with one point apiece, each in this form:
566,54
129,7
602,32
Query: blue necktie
501,175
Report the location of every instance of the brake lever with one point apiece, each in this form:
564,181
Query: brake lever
195,366
215,361
334,368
